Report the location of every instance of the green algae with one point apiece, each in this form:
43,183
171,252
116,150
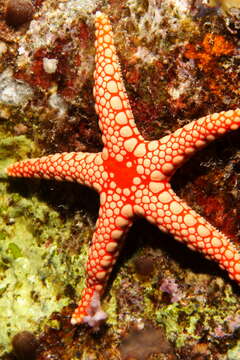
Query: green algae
34,271
169,316
234,353
112,312
181,319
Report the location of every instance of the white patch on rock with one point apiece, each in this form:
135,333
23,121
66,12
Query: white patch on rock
50,65
57,103
12,91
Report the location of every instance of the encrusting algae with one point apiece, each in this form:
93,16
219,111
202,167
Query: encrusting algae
34,271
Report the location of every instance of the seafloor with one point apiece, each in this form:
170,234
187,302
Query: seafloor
180,61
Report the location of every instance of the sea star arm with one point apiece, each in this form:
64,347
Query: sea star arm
173,150
173,215
112,224
85,168
119,132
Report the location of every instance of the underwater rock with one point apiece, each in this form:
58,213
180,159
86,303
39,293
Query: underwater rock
19,12
25,345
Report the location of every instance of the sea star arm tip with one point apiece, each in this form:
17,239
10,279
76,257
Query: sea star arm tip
185,141
116,121
177,218
85,168
106,243
178,147
89,310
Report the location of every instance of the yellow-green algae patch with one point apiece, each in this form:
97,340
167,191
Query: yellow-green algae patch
182,319
225,4
34,272
234,353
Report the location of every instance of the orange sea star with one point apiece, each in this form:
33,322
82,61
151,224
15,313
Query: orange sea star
133,177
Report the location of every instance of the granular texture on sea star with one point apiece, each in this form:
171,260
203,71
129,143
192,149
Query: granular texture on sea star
133,177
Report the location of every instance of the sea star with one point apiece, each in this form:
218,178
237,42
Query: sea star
133,177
